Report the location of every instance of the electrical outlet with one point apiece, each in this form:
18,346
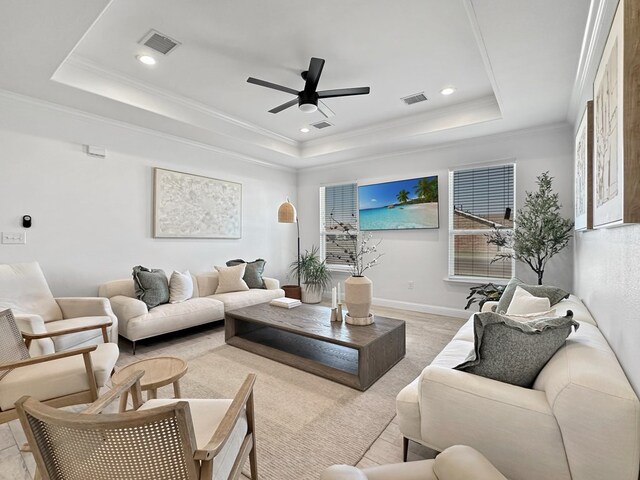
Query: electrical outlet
15,238
411,285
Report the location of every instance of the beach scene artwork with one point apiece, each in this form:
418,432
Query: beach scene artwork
399,205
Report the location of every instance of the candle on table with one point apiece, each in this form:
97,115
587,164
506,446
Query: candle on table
338,292
334,303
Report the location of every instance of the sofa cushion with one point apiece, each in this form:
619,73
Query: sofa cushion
514,352
171,317
152,286
234,300
554,294
523,303
230,279
253,272
24,290
180,286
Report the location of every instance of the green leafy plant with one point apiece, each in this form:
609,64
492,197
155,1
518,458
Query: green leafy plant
313,271
403,196
480,294
539,233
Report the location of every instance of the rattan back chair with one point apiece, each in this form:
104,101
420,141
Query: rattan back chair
152,444
12,346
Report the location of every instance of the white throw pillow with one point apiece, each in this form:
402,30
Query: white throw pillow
230,279
524,303
525,317
180,287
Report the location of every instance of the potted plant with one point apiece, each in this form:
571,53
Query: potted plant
487,292
540,232
314,275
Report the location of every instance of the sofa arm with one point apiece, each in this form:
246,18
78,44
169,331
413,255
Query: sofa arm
127,308
461,461
35,324
489,307
74,307
343,472
271,283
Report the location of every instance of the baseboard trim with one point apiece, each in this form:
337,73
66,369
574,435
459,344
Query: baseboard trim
423,308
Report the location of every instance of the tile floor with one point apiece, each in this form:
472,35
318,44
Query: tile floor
17,465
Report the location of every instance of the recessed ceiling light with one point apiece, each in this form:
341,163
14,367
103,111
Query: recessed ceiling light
447,90
146,59
304,130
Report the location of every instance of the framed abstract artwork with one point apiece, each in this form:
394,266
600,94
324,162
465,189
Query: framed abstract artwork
193,206
583,171
616,122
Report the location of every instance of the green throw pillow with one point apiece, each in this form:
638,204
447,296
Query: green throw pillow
554,294
253,273
514,352
151,285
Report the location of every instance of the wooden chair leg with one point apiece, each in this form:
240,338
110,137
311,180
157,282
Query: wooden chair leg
405,448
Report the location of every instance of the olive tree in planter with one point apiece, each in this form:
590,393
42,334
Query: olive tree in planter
314,275
539,233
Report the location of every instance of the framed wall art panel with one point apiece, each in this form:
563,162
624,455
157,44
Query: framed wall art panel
193,206
583,158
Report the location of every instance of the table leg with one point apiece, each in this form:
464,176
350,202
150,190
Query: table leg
123,402
176,389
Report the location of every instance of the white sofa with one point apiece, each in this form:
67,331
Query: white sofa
580,421
137,322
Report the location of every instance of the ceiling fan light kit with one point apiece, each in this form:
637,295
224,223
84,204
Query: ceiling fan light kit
308,100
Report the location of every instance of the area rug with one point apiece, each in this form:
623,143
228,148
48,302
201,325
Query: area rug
304,423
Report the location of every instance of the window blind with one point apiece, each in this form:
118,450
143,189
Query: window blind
338,204
480,199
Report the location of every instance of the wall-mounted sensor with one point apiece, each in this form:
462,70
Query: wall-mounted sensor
26,221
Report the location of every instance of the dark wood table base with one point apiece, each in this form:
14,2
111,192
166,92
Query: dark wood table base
305,338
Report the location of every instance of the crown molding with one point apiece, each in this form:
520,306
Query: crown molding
96,69
12,96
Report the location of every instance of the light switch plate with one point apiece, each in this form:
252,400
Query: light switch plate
15,238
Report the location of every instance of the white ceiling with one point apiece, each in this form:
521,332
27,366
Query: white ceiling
513,63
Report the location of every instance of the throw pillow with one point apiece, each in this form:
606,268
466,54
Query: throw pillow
514,352
523,302
230,279
253,273
151,286
180,287
554,294
525,317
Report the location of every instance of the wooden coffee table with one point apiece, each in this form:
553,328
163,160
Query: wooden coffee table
158,372
305,338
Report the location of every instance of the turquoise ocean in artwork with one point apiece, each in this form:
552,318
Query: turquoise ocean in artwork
422,215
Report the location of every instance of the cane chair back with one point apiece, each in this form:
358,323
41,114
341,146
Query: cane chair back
12,346
145,445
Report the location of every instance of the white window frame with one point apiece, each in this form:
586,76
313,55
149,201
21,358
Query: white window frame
452,233
324,233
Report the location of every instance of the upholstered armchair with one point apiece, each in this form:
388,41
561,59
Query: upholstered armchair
168,438
53,324
455,463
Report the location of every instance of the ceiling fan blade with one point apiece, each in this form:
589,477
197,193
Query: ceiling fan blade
324,110
344,92
275,86
313,75
284,106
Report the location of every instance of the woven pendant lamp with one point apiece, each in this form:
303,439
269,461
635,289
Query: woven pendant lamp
287,213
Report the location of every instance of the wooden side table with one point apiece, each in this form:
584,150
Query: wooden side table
158,372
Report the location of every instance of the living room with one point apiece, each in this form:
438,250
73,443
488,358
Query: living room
85,127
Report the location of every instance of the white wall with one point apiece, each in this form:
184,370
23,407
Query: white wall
92,217
422,255
607,261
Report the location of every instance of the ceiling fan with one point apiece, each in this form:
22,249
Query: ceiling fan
308,100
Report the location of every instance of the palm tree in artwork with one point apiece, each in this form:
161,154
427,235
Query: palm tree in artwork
427,189
403,196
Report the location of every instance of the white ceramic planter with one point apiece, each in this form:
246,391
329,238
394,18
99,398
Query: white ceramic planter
358,293
311,295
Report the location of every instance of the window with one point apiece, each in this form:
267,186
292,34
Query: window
479,199
338,204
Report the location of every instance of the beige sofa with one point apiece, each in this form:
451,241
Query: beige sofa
580,421
136,322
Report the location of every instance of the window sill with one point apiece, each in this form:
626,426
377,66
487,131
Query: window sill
476,280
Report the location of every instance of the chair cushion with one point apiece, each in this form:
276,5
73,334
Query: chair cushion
24,290
65,342
57,378
206,416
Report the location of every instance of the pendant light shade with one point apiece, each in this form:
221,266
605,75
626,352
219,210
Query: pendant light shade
287,213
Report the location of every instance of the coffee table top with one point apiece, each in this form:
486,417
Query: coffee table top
315,321
158,372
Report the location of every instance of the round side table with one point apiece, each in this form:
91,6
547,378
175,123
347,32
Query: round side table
158,372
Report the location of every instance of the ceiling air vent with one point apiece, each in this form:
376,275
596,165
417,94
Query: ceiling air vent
415,98
321,125
159,42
